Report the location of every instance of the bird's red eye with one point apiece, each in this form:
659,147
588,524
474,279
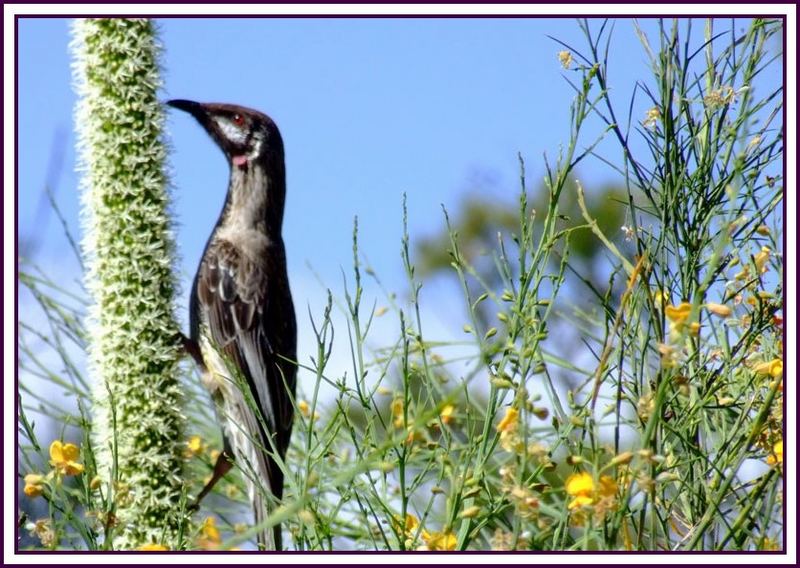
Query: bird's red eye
238,119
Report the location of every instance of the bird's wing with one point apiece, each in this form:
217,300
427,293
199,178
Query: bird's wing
232,291
231,295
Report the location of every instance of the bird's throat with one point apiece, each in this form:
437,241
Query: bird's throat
248,195
255,199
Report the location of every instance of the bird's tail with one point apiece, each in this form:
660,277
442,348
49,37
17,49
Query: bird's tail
264,481
247,437
268,538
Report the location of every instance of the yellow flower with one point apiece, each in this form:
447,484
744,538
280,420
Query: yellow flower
414,435
397,413
440,540
407,528
754,142
772,368
153,547
645,406
63,457
43,529
210,530
525,502
679,313
670,357
720,310
720,97
302,406
447,413
411,523
510,421
761,258
580,501
580,486
195,445
608,486
33,485
652,117
565,58
767,543
777,454
503,540
209,534
510,440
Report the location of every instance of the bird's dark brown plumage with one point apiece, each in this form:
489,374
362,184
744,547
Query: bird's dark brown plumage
241,311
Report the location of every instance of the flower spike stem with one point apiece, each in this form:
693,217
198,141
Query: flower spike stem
138,422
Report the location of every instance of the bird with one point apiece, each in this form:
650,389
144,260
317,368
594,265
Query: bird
242,328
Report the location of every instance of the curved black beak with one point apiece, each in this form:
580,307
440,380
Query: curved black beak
203,114
193,108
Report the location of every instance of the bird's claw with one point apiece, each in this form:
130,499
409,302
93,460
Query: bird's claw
190,347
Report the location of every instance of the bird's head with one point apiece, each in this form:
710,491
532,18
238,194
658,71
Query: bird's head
245,135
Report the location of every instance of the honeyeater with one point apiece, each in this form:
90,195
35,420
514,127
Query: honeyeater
241,316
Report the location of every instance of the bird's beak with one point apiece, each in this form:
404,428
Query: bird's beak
195,109
203,114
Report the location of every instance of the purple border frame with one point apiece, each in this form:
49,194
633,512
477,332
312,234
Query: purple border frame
532,554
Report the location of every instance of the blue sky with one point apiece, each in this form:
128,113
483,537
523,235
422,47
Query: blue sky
369,109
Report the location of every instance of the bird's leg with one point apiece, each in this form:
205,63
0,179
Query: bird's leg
224,461
192,348
222,466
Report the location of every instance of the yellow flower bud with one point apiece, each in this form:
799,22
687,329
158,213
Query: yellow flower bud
720,310
622,459
470,512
